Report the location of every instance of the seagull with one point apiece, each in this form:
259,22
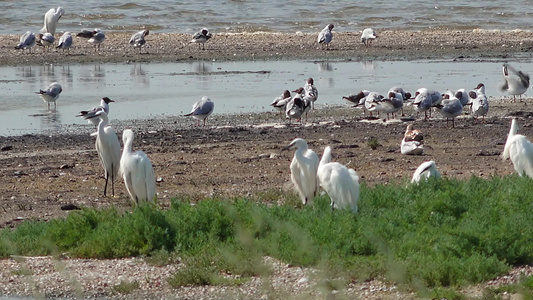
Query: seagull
201,37
89,115
425,99
137,40
368,36
391,104
412,142
306,102
201,110
450,107
479,101
358,99
373,102
281,101
311,91
51,93
46,40
405,95
325,36
515,83
97,38
65,42
51,18
27,41
424,171
295,108
462,95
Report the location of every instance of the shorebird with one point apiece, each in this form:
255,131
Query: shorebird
479,102
520,150
368,36
424,171
96,37
201,37
280,102
304,167
90,114
515,82
325,36
201,110
65,42
450,107
412,142
137,40
311,92
51,94
27,41
46,40
424,100
51,18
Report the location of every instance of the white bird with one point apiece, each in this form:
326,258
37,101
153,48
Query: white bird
137,40
304,166
412,142
391,104
325,36
424,171
97,39
51,18
137,171
201,110
372,102
341,183
306,100
450,107
296,107
90,114
280,102
358,100
515,83
51,94
65,42
27,41
368,36
425,99
462,95
108,148
405,95
520,150
311,92
479,102
46,40
201,37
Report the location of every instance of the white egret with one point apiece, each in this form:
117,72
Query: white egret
520,150
304,167
51,94
90,114
137,171
27,41
137,40
51,18
108,148
325,36
65,42
340,182
201,110
424,171
515,83
368,36
201,37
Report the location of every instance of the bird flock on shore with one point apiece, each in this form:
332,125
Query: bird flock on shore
308,173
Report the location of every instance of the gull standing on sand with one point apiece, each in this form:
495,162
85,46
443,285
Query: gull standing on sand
27,41
137,40
311,92
424,171
280,102
65,42
368,36
90,115
201,37
137,171
51,93
515,82
46,40
201,110
51,18
479,102
450,107
424,100
97,39
297,106
325,36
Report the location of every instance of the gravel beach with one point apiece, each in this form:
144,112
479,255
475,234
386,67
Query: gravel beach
187,161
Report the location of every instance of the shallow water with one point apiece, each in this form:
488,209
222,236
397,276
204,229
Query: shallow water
267,15
144,91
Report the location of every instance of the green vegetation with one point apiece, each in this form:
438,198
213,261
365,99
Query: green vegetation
433,237
125,287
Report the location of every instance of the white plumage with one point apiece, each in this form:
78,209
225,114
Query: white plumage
51,18
311,92
424,171
368,36
137,40
341,183
520,150
51,94
201,37
90,114
137,171
65,41
325,36
27,41
479,101
304,167
412,142
202,109
515,82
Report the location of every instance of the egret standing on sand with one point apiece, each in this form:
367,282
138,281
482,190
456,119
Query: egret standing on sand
424,171
201,110
137,171
304,167
51,93
325,36
137,40
201,37
51,18
341,183
108,148
520,150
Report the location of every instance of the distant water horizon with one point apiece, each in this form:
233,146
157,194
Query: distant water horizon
269,16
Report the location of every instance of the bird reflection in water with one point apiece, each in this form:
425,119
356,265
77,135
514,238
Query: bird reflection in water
368,65
139,75
325,66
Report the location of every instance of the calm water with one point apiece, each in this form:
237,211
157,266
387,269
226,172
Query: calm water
159,90
274,15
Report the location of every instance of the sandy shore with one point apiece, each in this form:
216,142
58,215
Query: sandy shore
35,184
391,45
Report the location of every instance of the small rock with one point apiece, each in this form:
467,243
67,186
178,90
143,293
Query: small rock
70,206
6,148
